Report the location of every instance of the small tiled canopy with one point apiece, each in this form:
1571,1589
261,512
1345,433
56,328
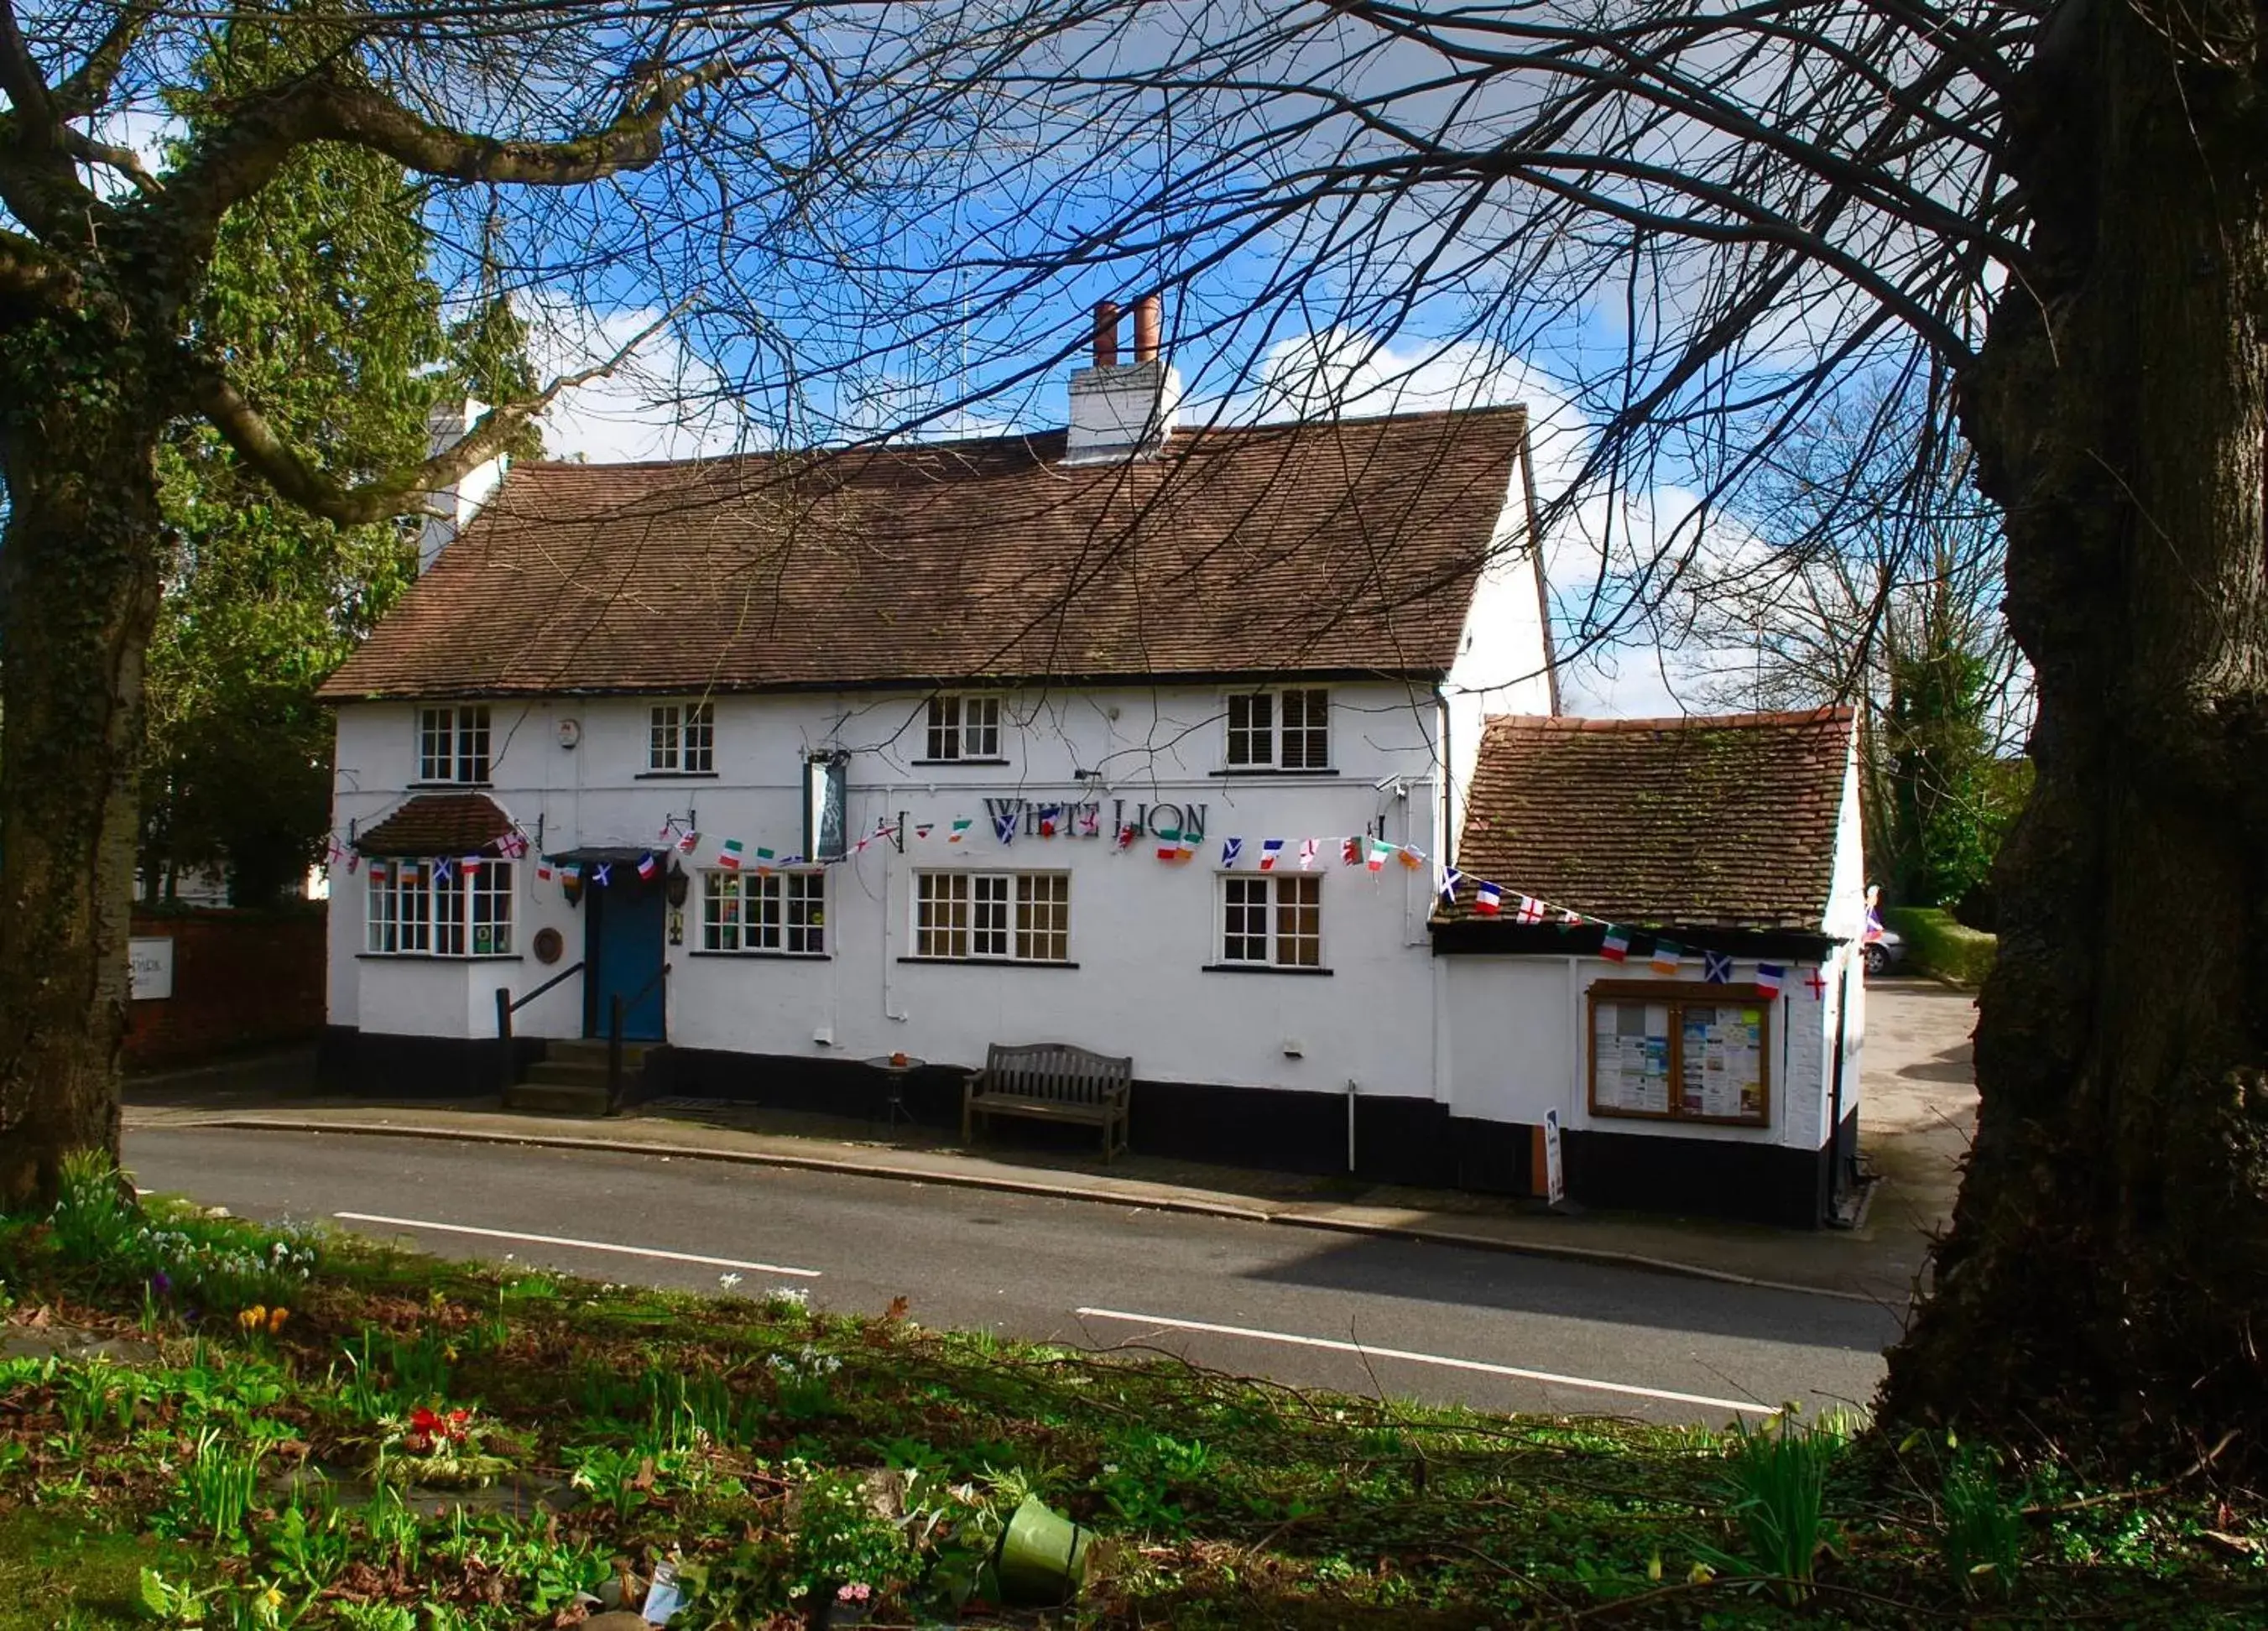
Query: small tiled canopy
1727,822
440,824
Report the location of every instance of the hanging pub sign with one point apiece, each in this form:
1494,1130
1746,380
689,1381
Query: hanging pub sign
825,789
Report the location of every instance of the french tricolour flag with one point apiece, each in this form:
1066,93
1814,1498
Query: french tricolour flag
1270,850
647,864
1488,900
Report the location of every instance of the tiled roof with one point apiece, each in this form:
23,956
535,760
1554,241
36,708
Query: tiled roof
1349,546
438,823
1727,821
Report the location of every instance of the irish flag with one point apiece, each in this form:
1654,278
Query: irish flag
1615,946
1487,901
961,829
1667,954
765,858
1169,844
728,855
1410,857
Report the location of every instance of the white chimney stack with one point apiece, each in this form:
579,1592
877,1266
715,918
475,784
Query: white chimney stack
1122,411
450,510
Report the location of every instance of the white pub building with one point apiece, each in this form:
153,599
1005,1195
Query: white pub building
1157,741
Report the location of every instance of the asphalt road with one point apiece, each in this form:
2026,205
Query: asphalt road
1442,1324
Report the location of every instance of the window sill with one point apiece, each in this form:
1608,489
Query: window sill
936,764
440,957
1269,770
674,776
1262,968
435,787
986,962
761,955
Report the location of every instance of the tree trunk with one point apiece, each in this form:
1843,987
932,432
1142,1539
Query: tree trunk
2108,1256
78,597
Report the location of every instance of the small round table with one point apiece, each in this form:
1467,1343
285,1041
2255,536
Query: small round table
896,1068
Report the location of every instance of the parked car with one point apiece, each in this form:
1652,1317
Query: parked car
1884,951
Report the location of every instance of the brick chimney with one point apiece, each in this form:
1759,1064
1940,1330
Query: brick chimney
450,510
1124,411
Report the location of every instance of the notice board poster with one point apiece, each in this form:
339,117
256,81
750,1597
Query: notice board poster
1695,1052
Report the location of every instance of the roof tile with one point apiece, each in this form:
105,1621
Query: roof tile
438,823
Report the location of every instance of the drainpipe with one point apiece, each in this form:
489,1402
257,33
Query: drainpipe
1354,1090
1835,1111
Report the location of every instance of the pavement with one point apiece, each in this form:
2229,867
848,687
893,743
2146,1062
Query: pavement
1916,1114
1353,1311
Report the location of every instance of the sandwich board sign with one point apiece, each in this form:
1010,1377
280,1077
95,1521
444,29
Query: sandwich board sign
1555,1173
152,960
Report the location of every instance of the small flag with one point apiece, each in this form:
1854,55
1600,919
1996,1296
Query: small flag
960,830
1169,844
1410,857
1230,849
351,860
1271,850
571,873
728,855
1715,968
1530,910
600,874
333,850
1487,901
1004,824
921,829
380,871
1570,919
765,859
1379,850
1090,820
1187,848
1667,954
543,869
514,844
470,866
647,865
1127,834
440,871
1307,849
1351,852
686,845
1050,817
1450,878
788,861
1769,978
1615,946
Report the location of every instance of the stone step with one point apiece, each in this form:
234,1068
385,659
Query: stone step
556,1099
571,1072
593,1051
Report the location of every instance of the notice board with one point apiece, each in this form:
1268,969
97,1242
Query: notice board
1681,1051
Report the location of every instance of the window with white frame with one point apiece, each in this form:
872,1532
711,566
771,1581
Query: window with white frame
681,738
782,912
1280,730
1019,917
963,727
1273,922
453,744
417,910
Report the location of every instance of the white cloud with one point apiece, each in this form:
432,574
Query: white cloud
661,402
1608,556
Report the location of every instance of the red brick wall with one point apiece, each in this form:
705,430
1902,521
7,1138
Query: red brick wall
241,980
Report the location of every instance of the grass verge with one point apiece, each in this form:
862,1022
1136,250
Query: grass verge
294,1429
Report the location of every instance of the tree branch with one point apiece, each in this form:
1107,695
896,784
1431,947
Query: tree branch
20,78
395,493
88,86
27,270
240,157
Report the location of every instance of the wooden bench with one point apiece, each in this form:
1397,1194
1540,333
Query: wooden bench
1052,1081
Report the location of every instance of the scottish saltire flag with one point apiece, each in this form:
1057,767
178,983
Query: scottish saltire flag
1004,824
1715,968
440,871
1769,978
1272,850
1450,878
602,874
1230,849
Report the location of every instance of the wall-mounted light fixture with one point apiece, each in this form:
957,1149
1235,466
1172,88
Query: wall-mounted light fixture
676,884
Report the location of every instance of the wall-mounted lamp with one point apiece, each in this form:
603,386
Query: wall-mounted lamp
676,884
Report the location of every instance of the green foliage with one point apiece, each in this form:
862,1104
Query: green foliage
1775,1495
214,1494
318,296
1952,801
1983,1532
1936,944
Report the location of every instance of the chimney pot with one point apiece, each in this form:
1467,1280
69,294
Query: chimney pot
1149,312
1106,333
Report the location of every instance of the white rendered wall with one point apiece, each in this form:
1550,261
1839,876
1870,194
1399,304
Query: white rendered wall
1500,666
1142,930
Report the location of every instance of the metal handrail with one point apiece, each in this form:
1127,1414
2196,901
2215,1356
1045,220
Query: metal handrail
520,1002
507,1007
615,1006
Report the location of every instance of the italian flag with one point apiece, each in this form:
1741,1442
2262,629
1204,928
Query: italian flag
728,855
1379,850
1615,946
543,871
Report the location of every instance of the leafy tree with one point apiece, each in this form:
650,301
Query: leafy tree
318,296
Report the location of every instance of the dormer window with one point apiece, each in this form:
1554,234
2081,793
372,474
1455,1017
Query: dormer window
1280,731
453,745
963,728
681,738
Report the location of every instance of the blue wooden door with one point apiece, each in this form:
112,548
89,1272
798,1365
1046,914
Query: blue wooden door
628,919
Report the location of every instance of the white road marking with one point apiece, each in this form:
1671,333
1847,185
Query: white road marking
1431,1359
580,1245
